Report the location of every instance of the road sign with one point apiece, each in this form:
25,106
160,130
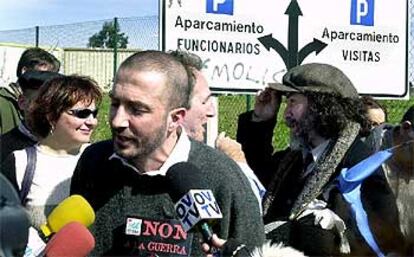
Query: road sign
247,44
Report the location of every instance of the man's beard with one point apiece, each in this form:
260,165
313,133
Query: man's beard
296,143
143,146
305,125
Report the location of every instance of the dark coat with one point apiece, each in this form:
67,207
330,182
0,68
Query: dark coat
12,141
282,172
10,115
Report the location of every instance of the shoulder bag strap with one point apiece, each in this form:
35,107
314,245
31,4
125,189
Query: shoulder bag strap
28,174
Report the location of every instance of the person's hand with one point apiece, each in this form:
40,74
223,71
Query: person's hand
216,242
230,147
324,217
328,220
267,105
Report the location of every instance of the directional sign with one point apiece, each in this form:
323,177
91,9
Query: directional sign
247,44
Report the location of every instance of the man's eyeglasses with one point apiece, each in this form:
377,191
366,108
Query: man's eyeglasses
83,113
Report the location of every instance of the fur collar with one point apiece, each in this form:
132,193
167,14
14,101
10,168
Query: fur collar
325,167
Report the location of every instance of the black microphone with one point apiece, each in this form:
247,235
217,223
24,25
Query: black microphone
195,204
14,221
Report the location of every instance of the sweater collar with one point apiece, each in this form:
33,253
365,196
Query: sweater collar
180,153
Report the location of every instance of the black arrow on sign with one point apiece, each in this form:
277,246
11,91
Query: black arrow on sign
293,11
291,57
316,46
269,41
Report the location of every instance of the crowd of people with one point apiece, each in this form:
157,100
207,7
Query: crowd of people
304,200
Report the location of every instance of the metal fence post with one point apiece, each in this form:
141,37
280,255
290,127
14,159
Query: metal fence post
37,36
115,46
248,97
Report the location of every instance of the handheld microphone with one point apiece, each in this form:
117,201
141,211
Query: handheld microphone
73,208
72,240
195,204
14,221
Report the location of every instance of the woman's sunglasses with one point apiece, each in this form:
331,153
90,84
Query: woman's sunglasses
83,113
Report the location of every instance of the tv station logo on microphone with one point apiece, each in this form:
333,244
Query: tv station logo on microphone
362,12
220,7
196,205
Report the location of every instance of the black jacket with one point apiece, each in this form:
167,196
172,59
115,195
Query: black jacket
12,141
284,168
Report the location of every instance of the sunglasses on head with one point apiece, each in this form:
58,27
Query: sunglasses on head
83,113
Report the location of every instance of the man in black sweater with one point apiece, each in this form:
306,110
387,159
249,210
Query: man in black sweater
124,178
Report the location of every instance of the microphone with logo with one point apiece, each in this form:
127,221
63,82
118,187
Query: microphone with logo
72,240
14,221
195,204
72,209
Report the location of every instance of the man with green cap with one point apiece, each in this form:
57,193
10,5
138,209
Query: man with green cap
304,206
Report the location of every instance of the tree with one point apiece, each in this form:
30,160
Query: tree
108,36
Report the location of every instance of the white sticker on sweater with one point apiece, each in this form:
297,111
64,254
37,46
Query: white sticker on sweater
133,226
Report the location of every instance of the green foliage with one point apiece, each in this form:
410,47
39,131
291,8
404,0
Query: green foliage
396,109
103,131
232,105
109,37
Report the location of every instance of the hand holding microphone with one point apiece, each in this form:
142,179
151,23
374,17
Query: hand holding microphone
195,205
229,247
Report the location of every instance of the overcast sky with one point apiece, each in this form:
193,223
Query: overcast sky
29,13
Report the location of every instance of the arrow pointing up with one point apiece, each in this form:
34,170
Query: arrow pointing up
290,56
293,11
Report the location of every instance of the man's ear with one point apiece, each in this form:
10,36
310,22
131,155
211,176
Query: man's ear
176,118
24,69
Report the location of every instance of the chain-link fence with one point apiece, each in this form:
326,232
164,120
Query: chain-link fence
74,41
142,33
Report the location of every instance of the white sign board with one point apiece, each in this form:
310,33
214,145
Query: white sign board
9,57
246,44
